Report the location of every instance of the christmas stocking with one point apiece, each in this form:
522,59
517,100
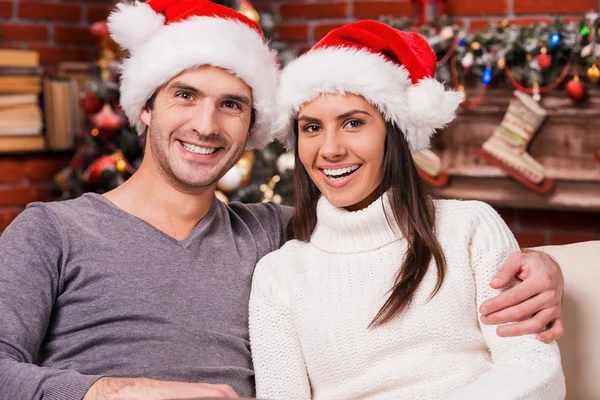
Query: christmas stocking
429,167
507,148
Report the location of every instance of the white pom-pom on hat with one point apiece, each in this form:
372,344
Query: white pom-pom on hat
133,25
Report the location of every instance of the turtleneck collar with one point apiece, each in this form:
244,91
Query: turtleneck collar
342,231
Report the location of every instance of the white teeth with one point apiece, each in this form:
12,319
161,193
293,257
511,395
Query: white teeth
198,149
335,173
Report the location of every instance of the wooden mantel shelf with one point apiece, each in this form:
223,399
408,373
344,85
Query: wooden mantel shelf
505,192
565,145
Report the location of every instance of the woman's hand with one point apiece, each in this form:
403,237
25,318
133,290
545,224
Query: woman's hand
531,306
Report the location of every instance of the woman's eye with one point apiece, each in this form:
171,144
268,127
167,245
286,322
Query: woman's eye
311,129
354,123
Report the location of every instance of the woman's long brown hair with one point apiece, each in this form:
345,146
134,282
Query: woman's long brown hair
413,210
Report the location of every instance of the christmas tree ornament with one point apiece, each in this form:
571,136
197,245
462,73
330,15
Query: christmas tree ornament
446,33
99,29
429,167
90,103
486,77
467,61
576,90
544,60
507,147
593,74
246,164
554,39
475,46
249,11
221,197
104,165
268,190
285,162
232,180
107,119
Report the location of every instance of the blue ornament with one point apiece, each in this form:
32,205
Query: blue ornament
554,39
487,76
461,42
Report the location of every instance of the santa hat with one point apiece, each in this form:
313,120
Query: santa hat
392,69
167,37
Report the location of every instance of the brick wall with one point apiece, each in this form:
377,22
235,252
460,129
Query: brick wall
23,180
58,29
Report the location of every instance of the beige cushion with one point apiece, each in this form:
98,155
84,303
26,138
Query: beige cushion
580,346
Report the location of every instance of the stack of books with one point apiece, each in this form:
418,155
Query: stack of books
21,120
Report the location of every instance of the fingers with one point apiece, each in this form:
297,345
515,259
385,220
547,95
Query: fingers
554,332
508,270
227,391
529,326
511,297
522,310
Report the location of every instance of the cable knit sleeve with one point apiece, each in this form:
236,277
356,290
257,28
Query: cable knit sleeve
278,361
523,367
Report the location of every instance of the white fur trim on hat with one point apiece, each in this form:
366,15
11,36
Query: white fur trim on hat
132,25
176,47
418,110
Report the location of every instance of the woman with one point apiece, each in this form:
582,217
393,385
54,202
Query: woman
378,295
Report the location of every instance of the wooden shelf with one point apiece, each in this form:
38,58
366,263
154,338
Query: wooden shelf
505,192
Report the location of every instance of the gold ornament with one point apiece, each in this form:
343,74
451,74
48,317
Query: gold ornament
475,46
249,11
504,24
593,74
268,190
221,196
121,164
246,163
501,63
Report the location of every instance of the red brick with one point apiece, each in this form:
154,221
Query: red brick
376,9
553,6
314,10
263,5
55,55
73,34
24,32
39,170
11,171
566,238
50,11
527,239
322,30
21,195
292,33
7,215
97,13
6,9
530,21
479,25
576,222
462,7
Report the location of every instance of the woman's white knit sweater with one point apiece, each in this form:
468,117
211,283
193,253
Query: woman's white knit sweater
312,303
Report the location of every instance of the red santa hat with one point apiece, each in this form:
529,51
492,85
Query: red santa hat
167,37
392,69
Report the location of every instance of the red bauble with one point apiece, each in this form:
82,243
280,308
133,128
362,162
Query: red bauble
90,103
99,29
576,90
107,119
544,60
92,174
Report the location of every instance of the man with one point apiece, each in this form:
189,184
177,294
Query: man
142,293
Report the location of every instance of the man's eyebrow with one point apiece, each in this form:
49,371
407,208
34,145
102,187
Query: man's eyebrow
184,86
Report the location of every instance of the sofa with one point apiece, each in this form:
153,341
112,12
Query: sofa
580,346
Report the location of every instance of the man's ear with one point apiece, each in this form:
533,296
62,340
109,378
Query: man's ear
146,116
